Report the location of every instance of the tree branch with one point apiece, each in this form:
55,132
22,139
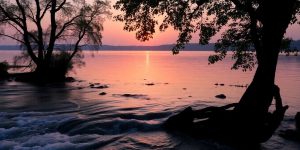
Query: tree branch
52,32
15,27
47,7
80,37
32,14
245,7
10,17
11,37
67,24
40,31
76,48
26,34
61,5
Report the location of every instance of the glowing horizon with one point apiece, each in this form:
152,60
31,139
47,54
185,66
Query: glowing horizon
114,34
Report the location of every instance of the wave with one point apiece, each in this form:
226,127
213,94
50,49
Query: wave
72,130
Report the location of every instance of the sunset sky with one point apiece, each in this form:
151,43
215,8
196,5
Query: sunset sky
114,34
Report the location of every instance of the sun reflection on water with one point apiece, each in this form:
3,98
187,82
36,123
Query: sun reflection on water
147,58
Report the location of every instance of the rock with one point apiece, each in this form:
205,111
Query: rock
184,88
221,96
70,79
239,86
99,86
217,84
166,83
190,96
297,120
222,84
150,84
180,121
102,87
102,93
132,95
135,96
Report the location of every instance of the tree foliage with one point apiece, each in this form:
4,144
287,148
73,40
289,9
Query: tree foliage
240,22
39,25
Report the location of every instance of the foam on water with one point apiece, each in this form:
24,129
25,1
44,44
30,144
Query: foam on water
48,130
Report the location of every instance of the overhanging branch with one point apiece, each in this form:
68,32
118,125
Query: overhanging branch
11,37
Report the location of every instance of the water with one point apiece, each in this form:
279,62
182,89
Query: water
75,116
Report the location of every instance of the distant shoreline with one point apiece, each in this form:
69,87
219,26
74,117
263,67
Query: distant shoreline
186,50
166,47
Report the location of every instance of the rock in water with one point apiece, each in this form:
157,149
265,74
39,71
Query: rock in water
70,79
150,84
102,93
180,121
221,96
96,86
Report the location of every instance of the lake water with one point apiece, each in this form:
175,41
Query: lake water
75,116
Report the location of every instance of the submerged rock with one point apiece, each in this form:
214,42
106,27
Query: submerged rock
135,96
102,93
150,84
219,84
221,96
98,86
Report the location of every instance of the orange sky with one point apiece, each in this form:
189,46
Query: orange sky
114,34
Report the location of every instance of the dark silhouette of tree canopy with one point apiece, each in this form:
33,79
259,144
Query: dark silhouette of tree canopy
39,25
254,31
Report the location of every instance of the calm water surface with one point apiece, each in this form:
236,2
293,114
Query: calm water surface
75,116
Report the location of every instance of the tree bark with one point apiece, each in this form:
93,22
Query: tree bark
254,105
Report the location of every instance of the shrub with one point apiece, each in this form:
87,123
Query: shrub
3,69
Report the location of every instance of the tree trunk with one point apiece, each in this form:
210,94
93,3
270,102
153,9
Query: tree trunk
252,110
254,105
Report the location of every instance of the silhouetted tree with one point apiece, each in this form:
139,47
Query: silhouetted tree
254,31
38,25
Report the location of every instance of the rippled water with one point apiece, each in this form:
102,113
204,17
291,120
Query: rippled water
156,85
